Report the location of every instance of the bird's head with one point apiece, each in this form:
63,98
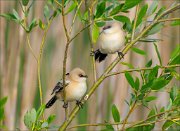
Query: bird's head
111,27
78,75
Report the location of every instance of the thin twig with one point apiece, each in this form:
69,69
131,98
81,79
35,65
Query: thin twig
141,69
74,18
59,4
129,113
170,19
135,20
65,57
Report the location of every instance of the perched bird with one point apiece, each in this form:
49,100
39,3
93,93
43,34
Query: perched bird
110,40
75,88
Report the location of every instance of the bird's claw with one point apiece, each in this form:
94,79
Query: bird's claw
65,105
92,53
79,103
120,54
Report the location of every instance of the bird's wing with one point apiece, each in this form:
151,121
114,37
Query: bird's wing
59,86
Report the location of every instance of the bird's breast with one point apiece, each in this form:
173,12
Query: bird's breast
111,43
75,91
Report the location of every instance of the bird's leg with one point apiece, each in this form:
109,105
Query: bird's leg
65,105
120,54
79,103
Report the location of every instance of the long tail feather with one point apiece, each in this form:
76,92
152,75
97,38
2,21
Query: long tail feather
99,56
51,101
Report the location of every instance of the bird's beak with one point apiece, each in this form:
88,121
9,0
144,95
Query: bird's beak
86,76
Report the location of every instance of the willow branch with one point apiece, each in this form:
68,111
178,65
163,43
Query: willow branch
111,66
65,56
74,18
59,4
141,69
170,19
29,45
135,20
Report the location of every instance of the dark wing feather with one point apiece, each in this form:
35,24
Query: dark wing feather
57,88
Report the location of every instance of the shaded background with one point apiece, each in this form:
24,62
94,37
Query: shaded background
18,68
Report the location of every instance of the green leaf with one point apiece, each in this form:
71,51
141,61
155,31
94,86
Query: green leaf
149,63
124,20
95,33
130,3
128,64
40,111
139,51
46,12
25,2
173,93
41,25
159,83
115,113
137,83
30,118
167,124
130,79
16,14
156,28
71,8
116,10
150,98
153,73
109,127
3,101
175,56
141,14
100,9
100,24
32,25
146,87
158,54
44,125
2,116
175,23
161,10
51,118
152,8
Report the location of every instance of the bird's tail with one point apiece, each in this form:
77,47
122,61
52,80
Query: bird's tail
51,101
99,56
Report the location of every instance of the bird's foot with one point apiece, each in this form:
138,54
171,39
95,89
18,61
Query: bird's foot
65,105
79,103
121,55
92,53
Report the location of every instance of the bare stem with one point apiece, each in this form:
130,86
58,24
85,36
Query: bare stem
135,20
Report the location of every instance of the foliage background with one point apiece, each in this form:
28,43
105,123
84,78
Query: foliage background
18,68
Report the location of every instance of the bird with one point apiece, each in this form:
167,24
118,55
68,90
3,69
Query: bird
75,88
110,41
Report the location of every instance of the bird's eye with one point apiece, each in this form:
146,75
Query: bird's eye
106,27
109,26
80,75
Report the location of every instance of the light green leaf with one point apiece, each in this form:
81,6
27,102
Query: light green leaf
150,98
100,9
139,51
115,113
46,12
158,54
25,2
41,25
173,93
16,14
152,8
95,33
130,4
109,127
32,25
156,28
127,64
71,8
44,125
141,14
30,118
161,10
175,56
